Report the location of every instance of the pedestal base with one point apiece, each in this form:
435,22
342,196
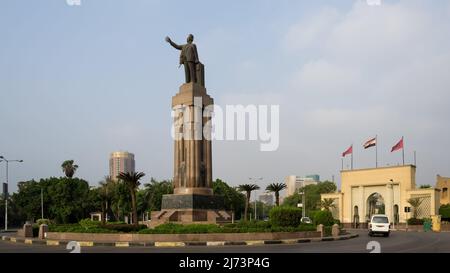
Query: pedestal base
189,209
192,201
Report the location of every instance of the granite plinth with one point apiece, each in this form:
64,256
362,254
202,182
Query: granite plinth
192,201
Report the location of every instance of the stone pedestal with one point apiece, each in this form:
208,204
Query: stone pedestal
335,230
28,231
193,200
321,229
43,229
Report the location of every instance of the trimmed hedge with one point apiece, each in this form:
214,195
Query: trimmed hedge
240,227
324,217
126,228
444,211
415,221
285,216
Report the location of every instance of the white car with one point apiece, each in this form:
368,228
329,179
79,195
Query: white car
306,220
379,224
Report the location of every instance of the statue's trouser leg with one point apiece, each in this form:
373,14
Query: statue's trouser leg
186,72
192,71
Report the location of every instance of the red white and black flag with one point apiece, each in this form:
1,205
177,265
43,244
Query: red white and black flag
370,143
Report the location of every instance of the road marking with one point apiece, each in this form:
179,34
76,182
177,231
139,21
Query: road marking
215,243
52,243
86,243
169,244
253,243
122,244
290,241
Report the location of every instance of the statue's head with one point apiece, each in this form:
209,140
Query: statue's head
190,38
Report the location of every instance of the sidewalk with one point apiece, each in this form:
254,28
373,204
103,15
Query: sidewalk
31,241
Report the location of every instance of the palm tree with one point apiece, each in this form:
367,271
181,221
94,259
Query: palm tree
415,203
69,168
276,188
106,192
131,179
248,188
327,204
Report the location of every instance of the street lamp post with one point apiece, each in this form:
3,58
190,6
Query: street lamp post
252,178
42,203
302,192
2,158
393,206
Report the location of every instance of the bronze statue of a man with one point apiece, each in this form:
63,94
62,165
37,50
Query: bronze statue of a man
188,58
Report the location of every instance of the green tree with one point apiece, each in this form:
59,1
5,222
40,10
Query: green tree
292,200
327,204
248,188
313,194
425,186
154,192
276,188
233,199
131,179
415,203
106,194
69,168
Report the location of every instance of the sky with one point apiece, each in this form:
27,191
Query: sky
79,82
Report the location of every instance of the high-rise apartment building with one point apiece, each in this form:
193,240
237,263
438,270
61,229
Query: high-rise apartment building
120,162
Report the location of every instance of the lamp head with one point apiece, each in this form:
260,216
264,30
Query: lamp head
1,157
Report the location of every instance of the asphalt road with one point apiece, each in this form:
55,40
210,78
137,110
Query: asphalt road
398,242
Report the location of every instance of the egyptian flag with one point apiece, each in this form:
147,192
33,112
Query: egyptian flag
370,143
349,151
398,146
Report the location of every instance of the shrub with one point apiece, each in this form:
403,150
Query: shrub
324,217
43,221
444,211
415,221
306,227
285,216
89,224
312,214
77,228
122,227
35,230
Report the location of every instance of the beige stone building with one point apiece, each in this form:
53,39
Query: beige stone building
365,192
443,184
121,162
294,182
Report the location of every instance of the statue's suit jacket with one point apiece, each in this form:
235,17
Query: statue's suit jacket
188,52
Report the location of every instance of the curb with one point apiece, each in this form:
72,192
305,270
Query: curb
179,244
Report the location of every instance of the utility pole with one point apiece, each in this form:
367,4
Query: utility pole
42,203
2,158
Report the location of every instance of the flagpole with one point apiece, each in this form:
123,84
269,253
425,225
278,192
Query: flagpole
342,163
352,158
403,151
415,162
376,151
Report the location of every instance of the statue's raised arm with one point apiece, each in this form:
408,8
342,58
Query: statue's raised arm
173,44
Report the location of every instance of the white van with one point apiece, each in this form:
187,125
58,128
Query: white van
379,224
